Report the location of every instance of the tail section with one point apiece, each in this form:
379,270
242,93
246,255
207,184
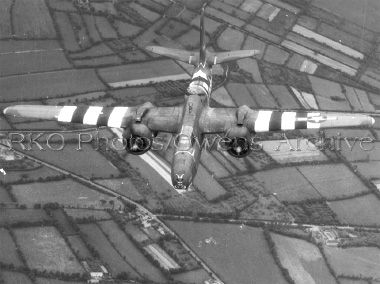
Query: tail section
202,40
204,56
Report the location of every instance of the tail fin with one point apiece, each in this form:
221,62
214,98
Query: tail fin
202,40
177,54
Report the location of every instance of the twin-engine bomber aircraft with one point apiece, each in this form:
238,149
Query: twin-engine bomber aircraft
195,117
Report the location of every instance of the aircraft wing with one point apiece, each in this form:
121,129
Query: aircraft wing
226,56
221,120
163,119
189,57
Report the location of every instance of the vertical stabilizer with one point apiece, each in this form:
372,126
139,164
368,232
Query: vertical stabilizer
202,51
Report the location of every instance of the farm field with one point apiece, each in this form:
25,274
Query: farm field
77,162
230,39
40,280
333,180
32,20
107,253
67,192
244,97
14,216
308,151
87,213
136,233
194,276
5,16
23,58
123,186
45,249
8,249
262,95
63,223
369,169
4,195
356,261
236,255
288,184
250,65
136,71
79,247
358,154
99,61
12,277
66,31
49,84
104,27
363,210
303,260
40,172
128,250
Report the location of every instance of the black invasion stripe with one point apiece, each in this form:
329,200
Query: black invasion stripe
104,116
201,79
301,124
79,114
275,121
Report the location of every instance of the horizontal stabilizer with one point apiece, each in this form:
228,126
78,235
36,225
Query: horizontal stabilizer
177,54
226,56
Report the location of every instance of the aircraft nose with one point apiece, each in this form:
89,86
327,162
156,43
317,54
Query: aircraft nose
180,180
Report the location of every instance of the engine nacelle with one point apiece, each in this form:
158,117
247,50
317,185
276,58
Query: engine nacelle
237,142
137,139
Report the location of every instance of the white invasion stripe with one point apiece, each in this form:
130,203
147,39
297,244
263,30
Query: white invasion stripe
320,38
288,121
66,113
199,73
313,125
262,120
92,114
116,116
144,81
319,57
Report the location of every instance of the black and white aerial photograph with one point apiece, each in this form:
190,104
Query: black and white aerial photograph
190,141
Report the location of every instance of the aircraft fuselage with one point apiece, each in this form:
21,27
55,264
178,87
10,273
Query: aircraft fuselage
189,139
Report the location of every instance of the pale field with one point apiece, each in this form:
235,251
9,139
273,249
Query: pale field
355,261
275,55
236,255
363,210
45,249
250,65
303,260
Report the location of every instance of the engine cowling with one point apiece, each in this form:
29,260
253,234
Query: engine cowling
237,142
137,139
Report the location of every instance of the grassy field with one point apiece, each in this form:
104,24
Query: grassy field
66,192
99,61
303,260
370,169
230,39
356,261
128,250
69,40
107,253
244,97
32,20
236,255
5,19
334,180
23,61
363,210
144,12
87,213
250,65
126,29
88,162
45,249
104,27
123,186
43,172
8,249
13,216
48,85
94,51
40,280
288,184
283,97
262,95
136,233
63,223
62,5
79,247
275,55
4,195
12,277
195,276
